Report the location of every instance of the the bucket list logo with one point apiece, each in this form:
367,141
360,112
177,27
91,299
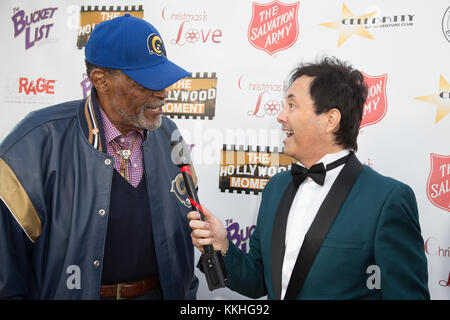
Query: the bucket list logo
35,26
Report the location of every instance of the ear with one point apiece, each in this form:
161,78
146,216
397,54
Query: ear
100,80
333,120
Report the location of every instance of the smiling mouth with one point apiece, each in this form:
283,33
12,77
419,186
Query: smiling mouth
288,133
155,106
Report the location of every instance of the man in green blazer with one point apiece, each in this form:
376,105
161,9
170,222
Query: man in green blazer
330,228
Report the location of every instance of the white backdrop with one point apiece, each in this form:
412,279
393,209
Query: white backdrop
240,53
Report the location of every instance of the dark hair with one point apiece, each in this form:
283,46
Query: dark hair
337,85
90,67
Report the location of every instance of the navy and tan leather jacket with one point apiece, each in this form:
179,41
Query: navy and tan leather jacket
55,184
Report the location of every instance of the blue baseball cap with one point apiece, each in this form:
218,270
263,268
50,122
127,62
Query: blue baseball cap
135,47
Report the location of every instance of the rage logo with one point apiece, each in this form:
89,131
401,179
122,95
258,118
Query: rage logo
41,85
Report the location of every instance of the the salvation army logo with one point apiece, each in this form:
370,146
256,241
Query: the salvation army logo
438,185
273,26
375,106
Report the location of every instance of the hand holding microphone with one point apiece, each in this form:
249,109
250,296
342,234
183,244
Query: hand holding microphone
211,260
209,231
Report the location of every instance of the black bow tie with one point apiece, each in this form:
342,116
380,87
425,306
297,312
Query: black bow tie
317,172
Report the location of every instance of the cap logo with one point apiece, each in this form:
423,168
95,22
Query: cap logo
155,45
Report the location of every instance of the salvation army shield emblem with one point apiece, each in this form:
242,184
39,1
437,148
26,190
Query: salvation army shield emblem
375,106
438,185
273,26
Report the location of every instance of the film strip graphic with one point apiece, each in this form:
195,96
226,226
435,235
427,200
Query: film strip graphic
90,16
192,97
248,169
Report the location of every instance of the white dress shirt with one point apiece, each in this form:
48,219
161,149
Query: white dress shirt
305,205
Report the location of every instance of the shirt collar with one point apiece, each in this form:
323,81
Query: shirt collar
110,130
330,157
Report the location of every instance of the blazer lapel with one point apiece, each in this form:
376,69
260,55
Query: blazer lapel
278,237
321,225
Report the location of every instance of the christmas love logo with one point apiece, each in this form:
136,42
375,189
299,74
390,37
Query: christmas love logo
267,95
438,184
273,26
194,26
375,106
435,247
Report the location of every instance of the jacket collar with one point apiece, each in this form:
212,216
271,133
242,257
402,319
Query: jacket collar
320,226
91,122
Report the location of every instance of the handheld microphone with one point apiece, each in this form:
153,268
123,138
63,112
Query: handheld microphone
211,260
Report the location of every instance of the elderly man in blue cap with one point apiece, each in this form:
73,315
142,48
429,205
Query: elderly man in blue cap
86,208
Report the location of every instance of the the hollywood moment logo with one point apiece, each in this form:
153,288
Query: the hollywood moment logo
192,97
193,28
375,106
268,95
273,26
239,236
36,25
249,169
91,16
438,185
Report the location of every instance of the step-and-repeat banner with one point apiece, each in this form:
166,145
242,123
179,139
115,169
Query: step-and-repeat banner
240,54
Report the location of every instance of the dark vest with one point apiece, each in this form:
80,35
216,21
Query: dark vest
129,248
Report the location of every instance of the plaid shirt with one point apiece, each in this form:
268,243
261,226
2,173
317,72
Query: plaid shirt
114,138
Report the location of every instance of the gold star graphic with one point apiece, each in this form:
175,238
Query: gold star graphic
348,30
441,99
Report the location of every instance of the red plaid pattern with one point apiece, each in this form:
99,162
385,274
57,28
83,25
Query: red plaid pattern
135,165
